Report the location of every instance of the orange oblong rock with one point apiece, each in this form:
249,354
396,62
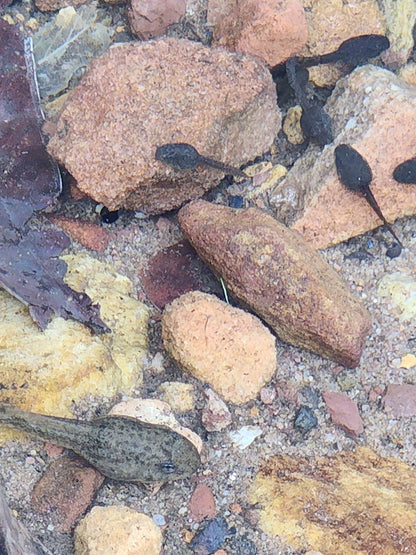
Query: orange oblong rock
280,277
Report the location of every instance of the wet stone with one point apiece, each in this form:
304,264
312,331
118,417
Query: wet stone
305,419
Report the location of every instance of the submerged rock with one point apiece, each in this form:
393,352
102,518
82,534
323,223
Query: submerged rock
138,96
274,271
353,502
224,346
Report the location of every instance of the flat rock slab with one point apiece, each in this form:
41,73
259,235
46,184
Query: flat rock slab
375,112
344,413
224,346
400,400
140,95
355,502
284,281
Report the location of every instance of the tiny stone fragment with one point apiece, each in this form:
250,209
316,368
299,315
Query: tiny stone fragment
211,537
305,419
178,395
400,400
215,414
344,413
245,436
202,503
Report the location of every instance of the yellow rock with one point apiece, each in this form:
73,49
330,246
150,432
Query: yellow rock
408,73
408,361
400,288
355,502
114,530
400,17
47,371
291,126
178,395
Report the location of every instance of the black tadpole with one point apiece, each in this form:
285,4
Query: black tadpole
406,172
355,174
315,122
182,156
352,52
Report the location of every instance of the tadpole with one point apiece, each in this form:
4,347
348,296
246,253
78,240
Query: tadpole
406,171
356,175
182,156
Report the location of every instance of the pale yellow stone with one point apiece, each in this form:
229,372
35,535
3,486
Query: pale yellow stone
274,175
408,73
179,395
224,346
46,371
291,126
400,288
32,24
400,17
408,361
116,530
371,499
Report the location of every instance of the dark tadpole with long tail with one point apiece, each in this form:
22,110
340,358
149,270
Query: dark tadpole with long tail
182,156
356,175
121,447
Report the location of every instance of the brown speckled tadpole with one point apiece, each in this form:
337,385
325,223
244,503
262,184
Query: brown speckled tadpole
120,447
356,175
182,156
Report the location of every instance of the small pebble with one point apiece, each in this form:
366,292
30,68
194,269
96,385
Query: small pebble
245,436
159,520
267,395
211,537
305,419
235,201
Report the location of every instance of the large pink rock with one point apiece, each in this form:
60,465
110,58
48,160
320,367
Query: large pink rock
375,112
151,18
140,95
274,30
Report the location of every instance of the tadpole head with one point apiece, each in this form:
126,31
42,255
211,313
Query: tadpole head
317,125
359,49
353,170
406,171
180,156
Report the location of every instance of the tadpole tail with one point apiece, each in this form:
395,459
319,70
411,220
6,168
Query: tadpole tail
228,170
370,198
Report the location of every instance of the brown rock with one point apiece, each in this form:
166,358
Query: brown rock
90,235
215,415
224,346
150,18
400,400
273,30
344,413
140,95
331,22
66,490
171,273
355,502
375,112
202,503
275,272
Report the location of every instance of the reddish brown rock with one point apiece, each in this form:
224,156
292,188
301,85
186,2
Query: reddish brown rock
215,415
171,273
65,491
344,413
375,112
400,400
274,30
140,95
90,235
274,271
202,503
151,18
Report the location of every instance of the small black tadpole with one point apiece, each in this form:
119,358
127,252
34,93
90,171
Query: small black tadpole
406,172
352,52
182,156
355,174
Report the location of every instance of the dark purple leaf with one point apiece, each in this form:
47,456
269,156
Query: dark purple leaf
29,181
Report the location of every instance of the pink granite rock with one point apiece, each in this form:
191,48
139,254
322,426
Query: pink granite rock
273,270
151,18
375,112
140,95
344,413
274,30
400,400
